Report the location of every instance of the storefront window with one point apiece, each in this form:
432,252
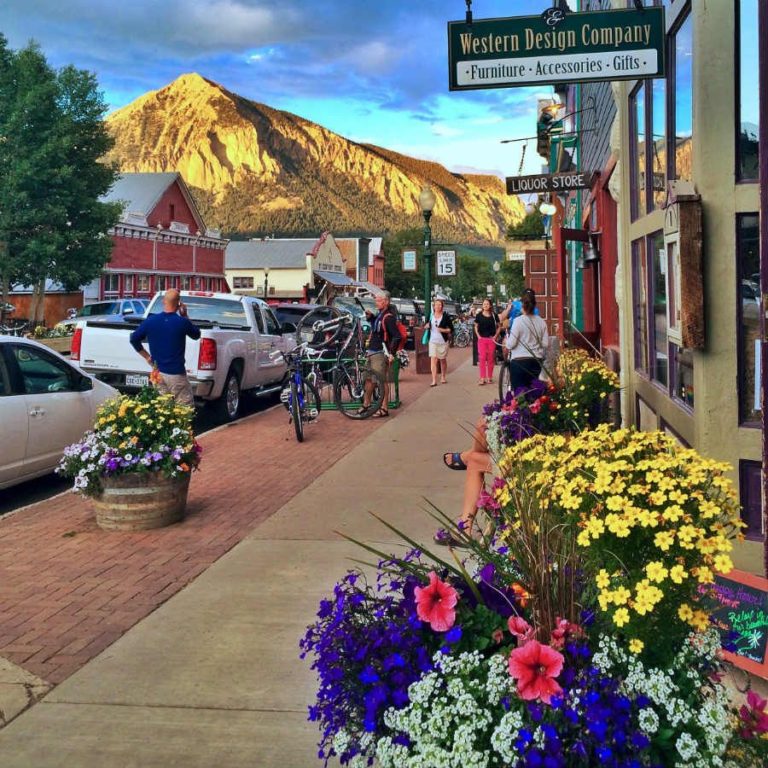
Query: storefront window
142,283
748,106
637,142
683,93
658,142
658,253
748,270
186,282
161,283
640,301
111,283
127,285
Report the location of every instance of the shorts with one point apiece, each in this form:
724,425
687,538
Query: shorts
440,351
177,385
379,363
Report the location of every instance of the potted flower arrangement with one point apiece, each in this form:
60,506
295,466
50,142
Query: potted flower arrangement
577,397
575,633
137,461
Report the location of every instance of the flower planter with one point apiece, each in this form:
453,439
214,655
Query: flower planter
60,344
141,501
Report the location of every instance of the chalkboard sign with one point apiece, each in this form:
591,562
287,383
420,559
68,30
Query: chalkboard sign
738,604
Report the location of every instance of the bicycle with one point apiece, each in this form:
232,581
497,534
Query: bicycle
300,397
351,378
14,328
462,334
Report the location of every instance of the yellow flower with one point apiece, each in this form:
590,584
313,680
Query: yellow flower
664,540
635,645
723,563
705,575
656,571
621,596
677,573
127,430
685,612
621,617
700,620
603,579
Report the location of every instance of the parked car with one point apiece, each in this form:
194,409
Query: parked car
239,335
46,403
134,307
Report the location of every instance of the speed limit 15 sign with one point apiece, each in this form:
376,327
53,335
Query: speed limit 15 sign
446,263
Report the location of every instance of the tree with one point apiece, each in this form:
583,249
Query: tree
530,228
52,137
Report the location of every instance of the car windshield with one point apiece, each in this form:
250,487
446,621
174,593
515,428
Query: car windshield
222,312
349,305
290,314
101,308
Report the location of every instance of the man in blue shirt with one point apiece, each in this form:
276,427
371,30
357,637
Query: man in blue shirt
167,333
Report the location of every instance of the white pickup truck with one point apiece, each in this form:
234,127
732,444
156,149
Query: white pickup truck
238,336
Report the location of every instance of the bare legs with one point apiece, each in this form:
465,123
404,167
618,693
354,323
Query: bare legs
436,364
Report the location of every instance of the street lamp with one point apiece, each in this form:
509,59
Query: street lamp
496,268
427,203
266,282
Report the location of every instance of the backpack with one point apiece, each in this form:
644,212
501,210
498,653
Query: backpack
401,329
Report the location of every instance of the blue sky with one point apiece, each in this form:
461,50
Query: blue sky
372,72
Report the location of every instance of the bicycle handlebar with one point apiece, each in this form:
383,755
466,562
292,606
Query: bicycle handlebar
327,325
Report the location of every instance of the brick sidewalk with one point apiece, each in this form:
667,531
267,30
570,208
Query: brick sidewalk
68,590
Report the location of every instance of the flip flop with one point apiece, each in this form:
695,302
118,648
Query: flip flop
433,385
380,414
455,462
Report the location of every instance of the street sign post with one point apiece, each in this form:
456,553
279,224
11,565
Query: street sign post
446,263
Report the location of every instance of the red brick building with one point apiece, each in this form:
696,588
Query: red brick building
160,242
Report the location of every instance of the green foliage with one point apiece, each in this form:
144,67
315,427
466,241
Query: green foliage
52,136
531,227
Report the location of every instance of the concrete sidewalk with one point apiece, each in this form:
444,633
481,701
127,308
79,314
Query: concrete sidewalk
212,677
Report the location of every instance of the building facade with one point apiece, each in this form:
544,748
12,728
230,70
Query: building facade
160,242
660,258
301,269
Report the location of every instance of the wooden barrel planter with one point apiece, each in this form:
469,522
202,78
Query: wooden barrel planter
139,502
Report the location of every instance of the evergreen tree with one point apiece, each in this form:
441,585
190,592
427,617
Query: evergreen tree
530,228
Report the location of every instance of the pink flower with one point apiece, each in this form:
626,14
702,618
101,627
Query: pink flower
435,603
535,667
754,717
497,636
520,628
564,630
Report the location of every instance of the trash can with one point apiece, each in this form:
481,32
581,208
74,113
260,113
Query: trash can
421,352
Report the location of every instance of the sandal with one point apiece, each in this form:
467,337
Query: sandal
455,461
380,414
433,384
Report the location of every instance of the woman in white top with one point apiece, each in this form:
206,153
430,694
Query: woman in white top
439,332
527,343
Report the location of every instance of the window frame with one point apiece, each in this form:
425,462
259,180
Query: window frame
737,97
682,16
741,348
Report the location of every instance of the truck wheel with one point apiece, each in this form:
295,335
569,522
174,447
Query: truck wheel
228,404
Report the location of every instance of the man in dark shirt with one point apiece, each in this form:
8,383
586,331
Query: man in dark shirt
383,343
167,333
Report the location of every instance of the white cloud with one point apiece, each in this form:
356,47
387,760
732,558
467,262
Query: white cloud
440,129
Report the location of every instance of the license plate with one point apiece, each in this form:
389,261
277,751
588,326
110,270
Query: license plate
136,380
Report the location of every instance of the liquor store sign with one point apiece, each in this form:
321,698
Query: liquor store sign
579,47
557,182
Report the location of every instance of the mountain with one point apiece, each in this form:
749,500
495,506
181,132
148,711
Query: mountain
254,169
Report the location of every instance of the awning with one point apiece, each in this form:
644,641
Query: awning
335,278
370,287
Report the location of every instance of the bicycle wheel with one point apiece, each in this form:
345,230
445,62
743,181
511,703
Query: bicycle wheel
298,424
505,380
349,387
311,331
311,399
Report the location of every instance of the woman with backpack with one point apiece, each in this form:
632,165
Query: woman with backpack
440,329
527,343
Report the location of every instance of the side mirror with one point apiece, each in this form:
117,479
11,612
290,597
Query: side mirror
86,384
128,311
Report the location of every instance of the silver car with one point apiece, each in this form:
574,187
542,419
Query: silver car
103,309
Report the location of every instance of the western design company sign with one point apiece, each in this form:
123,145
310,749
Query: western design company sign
558,182
527,50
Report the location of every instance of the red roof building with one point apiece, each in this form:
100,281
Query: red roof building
161,240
